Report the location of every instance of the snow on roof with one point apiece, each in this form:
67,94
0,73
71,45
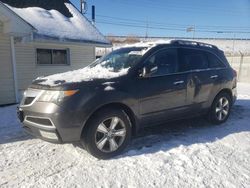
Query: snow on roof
54,24
84,74
147,44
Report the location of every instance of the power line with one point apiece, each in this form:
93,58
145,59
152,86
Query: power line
172,29
136,21
189,9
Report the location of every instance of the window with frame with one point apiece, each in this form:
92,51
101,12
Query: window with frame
166,61
52,56
191,59
214,61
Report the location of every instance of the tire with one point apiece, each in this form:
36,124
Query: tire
107,134
220,109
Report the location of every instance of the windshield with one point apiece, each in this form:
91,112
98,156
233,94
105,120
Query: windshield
123,58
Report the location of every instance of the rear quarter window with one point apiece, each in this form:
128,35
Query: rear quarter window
214,61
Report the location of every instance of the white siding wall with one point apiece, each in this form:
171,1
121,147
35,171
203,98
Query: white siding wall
1,27
27,68
7,93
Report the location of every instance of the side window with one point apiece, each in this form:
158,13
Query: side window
165,60
191,59
214,62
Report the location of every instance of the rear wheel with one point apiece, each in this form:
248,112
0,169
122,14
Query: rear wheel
220,109
107,134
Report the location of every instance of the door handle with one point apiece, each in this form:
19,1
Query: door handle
214,76
178,82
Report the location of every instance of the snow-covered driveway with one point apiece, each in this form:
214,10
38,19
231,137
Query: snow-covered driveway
184,154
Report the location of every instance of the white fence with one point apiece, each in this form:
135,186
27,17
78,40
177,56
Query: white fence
242,65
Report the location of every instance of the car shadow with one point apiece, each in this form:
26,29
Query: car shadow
188,132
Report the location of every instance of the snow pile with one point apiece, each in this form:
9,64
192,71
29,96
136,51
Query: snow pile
190,153
54,24
84,74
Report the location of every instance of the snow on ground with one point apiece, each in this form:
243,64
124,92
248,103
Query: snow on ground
189,153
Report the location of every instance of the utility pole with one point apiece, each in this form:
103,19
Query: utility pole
147,29
93,14
233,49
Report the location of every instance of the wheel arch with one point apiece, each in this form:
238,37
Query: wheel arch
114,105
225,90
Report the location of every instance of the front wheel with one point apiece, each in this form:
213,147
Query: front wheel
220,109
107,134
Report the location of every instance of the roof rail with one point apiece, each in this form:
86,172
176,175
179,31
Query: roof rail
193,43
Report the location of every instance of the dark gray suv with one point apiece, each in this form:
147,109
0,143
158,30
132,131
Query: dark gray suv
104,104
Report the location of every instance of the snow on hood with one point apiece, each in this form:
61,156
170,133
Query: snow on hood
54,24
84,74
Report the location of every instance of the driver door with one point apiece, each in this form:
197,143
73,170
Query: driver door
162,91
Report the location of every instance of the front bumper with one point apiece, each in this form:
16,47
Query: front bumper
234,93
50,122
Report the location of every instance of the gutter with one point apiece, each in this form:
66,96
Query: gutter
13,60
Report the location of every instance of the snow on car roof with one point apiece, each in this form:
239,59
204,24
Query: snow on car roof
52,23
147,44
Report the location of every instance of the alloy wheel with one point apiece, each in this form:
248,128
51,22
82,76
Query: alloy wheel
222,108
110,134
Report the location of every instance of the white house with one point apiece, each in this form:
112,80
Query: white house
39,38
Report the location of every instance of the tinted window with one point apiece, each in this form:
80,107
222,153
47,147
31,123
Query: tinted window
191,59
165,60
60,57
44,56
214,62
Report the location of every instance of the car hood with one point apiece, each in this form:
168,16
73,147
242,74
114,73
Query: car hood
87,75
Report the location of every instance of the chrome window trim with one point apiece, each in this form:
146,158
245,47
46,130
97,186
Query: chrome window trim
185,72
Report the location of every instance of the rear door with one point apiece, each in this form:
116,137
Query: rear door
202,81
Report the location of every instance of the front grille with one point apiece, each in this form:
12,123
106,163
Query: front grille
40,121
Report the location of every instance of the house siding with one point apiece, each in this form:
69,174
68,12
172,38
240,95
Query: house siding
7,92
28,69
1,27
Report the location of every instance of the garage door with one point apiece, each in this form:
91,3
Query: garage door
7,92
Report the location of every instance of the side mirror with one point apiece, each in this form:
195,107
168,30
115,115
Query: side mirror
148,71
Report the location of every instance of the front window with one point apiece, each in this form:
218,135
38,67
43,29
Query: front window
123,58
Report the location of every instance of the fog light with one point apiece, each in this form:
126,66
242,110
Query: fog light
49,135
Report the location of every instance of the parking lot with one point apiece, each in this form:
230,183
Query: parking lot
189,153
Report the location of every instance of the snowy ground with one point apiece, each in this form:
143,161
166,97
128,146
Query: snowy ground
184,154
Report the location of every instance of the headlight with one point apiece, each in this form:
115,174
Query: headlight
55,96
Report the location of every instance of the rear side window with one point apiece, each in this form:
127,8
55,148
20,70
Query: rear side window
191,59
214,61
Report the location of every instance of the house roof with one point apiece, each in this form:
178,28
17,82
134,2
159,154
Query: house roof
56,20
